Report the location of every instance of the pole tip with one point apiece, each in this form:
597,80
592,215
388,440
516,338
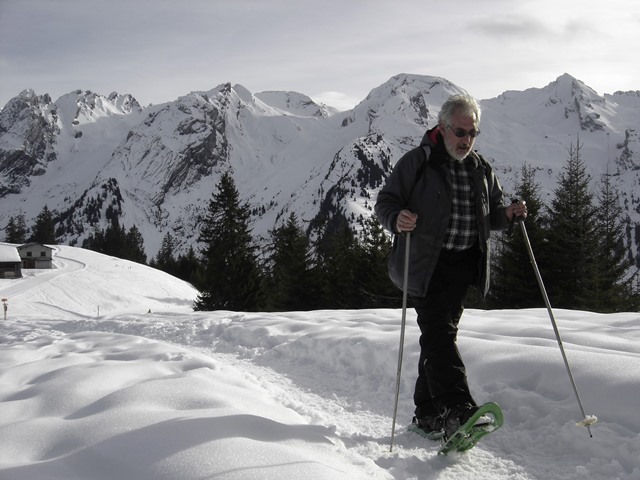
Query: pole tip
587,420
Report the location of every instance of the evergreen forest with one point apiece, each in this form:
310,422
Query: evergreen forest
578,240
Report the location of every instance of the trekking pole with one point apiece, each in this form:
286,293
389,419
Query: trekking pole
405,286
587,420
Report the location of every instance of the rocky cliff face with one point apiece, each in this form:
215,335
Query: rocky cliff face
28,132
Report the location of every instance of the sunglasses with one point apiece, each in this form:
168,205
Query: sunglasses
461,132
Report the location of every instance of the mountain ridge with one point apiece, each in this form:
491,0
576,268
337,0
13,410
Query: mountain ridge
157,166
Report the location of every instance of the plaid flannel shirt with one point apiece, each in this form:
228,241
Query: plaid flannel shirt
462,232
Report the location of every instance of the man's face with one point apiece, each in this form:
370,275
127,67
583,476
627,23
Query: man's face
459,147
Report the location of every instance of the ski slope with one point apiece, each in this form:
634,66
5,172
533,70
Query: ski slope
107,373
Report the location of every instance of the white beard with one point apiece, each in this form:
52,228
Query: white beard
454,154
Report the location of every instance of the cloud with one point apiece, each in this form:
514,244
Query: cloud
516,27
159,49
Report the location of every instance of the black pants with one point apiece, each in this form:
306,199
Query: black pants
442,378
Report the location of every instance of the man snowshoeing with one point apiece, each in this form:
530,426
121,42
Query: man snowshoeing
449,198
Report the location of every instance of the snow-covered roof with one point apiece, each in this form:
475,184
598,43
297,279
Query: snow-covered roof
26,246
9,253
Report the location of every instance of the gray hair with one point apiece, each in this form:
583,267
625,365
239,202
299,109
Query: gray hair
459,103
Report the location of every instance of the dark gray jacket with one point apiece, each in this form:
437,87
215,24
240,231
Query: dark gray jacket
426,191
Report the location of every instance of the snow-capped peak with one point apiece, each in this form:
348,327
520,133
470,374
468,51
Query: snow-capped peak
294,103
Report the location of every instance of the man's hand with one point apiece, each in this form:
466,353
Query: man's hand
406,221
517,209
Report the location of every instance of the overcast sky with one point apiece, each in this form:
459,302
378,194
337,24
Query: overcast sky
331,50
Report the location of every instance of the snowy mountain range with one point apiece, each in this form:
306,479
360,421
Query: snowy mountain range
88,156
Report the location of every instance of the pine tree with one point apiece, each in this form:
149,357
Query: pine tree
188,267
134,246
513,282
165,260
16,230
572,237
231,275
288,284
114,240
117,242
613,288
94,240
372,272
44,228
335,269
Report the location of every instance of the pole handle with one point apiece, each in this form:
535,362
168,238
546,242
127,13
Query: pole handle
515,220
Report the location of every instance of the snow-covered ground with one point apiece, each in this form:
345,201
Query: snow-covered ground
106,373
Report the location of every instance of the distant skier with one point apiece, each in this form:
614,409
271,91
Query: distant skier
449,198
